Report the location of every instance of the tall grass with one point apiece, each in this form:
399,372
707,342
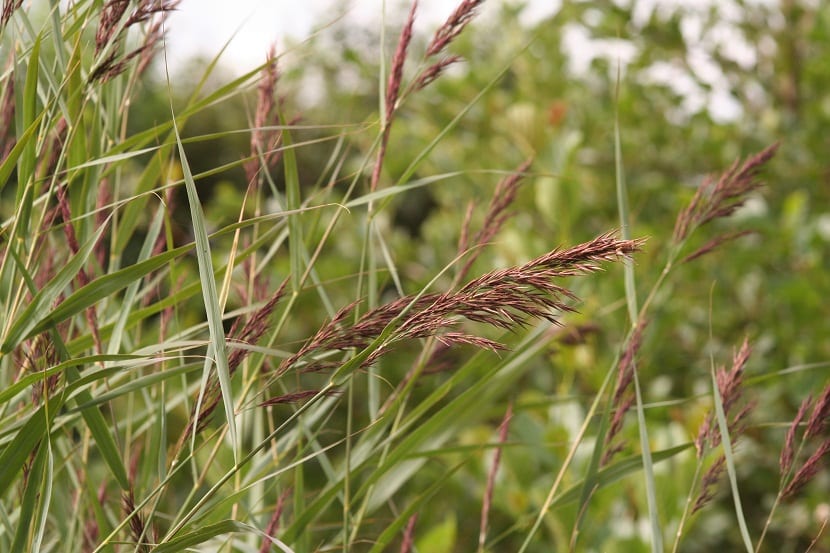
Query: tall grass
277,383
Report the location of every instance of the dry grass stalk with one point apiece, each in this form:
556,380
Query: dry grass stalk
614,428
295,397
496,216
491,477
409,534
138,527
464,237
101,214
152,38
49,162
625,372
504,299
445,34
714,243
264,143
39,355
255,327
111,15
709,483
250,333
715,199
8,137
807,471
393,88
428,75
83,276
788,452
111,33
729,383
9,7
623,397
274,523
817,422
46,268
824,520
453,26
816,426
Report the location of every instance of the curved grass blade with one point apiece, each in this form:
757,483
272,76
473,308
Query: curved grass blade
206,533
394,528
26,115
40,309
615,471
92,417
38,485
103,287
20,385
210,295
633,310
15,454
292,201
726,441
9,164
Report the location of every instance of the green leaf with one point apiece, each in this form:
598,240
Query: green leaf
440,538
12,390
726,442
212,308
26,440
103,287
292,199
393,530
615,471
35,484
202,535
101,431
28,102
39,311
10,163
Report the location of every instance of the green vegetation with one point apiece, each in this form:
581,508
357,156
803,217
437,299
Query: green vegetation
476,294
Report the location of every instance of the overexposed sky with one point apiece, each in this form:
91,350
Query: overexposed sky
202,27
249,27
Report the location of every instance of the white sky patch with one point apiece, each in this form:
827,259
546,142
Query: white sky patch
201,28
582,49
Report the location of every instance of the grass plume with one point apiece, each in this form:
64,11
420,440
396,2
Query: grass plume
720,198
504,299
453,26
393,88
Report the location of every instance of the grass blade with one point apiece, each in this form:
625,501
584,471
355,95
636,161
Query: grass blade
210,295
633,313
39,309
9,164
292,200
726,441
202,535
24,443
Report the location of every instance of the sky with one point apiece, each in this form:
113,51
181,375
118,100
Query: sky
250,27
202,27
